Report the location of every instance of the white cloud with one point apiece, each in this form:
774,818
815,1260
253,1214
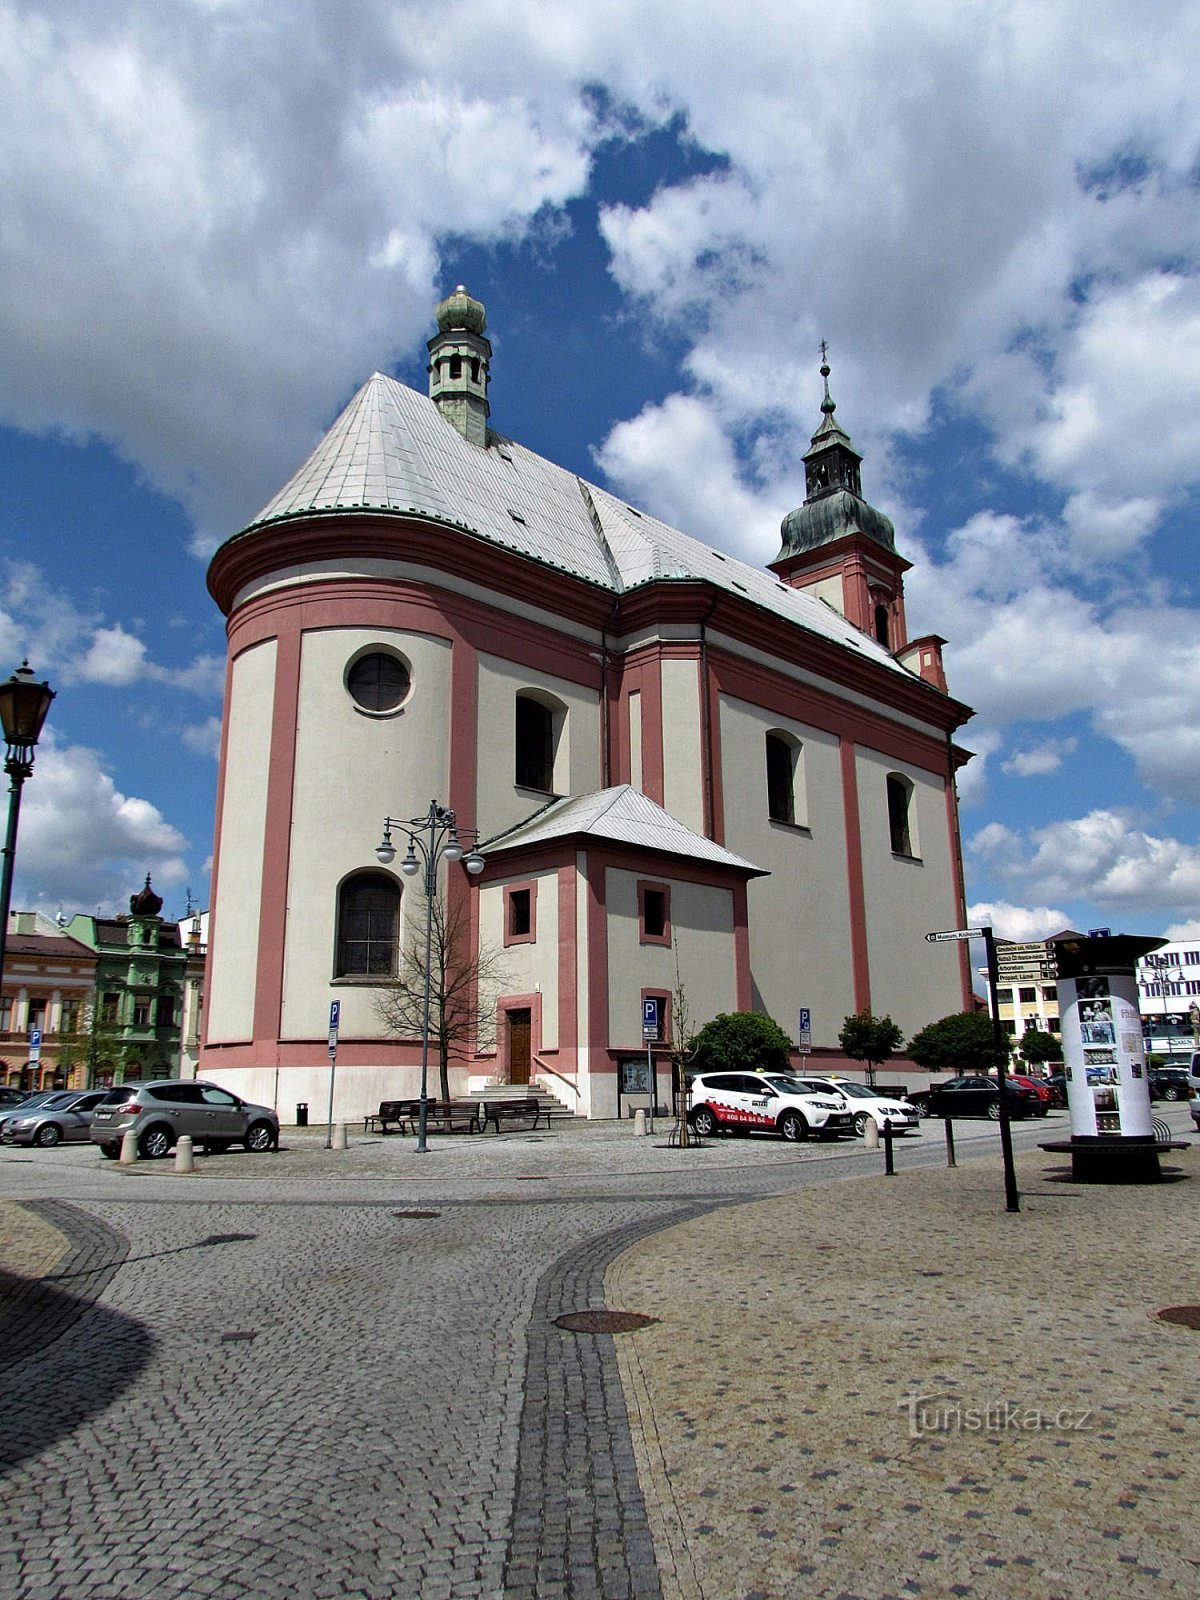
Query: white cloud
113,657
1036,760
1102,857
1019,923
205,737
83,843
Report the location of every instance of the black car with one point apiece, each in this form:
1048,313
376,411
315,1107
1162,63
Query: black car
975,1097
1169,1083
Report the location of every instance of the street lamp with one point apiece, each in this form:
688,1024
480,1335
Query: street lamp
23,708
431,838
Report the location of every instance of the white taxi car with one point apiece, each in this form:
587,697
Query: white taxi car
867,1106
764,1102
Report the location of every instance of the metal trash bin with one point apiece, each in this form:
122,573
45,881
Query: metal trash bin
302,1113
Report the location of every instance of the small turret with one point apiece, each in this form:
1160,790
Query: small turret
459,358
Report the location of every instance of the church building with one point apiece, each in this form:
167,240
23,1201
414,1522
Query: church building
688,776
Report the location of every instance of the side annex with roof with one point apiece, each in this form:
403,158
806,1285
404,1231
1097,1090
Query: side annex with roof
684,770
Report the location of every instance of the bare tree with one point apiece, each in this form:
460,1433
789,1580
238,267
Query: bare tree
683,1049
463,985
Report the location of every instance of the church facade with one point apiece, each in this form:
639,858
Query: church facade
690,777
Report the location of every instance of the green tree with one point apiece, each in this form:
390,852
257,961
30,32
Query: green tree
1038,1047
742,1041
870,1039
963,1042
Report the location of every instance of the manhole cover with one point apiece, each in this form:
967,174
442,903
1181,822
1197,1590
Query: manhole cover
1185,1316
602,1321
416,1213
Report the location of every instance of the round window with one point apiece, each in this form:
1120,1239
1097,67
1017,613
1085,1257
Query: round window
378,682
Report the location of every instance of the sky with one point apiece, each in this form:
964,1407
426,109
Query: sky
219,217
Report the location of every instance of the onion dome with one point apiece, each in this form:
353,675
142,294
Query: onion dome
833,504
460,310
145,903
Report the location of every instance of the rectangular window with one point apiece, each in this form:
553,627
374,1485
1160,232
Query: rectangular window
110,1008
1049,992
1051,1024
900,820
68,1019
37,1015
1191,957
164,1011
1028,997
6,1017
654,913
520,913
141,1011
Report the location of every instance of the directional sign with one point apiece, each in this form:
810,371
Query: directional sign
650,1018
335,1017
35,1044
955,933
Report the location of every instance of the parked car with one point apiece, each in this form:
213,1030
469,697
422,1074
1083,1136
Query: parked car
1040,1088
867,1106
158,1113
1194,1108
974,1097
1057,1085
1169,1083
27,1102
12,1097
765,1102
64,1115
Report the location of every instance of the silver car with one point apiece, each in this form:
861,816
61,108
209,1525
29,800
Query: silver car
159,1113
64,1114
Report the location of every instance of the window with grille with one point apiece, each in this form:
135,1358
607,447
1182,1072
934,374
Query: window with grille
368,926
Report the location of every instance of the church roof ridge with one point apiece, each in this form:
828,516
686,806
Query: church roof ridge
391,452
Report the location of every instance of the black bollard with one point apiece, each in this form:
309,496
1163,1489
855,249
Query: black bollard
889,1166
950,1161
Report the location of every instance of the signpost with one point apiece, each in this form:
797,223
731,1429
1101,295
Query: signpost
1012,1196
335,1017
35,1050
805,1039
650,1032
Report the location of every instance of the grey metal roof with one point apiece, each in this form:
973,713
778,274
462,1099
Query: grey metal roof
391,450
623,815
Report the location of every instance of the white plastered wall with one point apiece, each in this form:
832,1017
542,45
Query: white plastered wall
683,794
525,968
237,889
577,765
701,942
352,770
799,916
912,981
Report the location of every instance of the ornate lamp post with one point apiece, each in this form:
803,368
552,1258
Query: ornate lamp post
23,708
431,838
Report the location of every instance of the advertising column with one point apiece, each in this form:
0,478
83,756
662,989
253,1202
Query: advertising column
1108,1092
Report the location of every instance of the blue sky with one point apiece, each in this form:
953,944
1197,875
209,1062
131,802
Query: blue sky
221,216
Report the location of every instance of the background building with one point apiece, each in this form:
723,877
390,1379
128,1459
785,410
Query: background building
1168,982
141,979
49,981
685,771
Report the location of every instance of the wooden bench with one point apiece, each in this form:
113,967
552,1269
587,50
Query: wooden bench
401,1112
451,1116
496,1112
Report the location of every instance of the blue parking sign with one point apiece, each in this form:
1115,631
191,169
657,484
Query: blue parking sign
650,1018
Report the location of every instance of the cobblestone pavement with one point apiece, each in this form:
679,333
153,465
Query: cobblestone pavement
337,1373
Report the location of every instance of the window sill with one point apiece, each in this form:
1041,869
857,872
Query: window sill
802,828
542,794
903,855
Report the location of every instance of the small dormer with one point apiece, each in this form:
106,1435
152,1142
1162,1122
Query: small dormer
459,366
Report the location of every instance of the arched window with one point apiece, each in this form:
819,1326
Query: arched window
456,366
368,926
901,821
539,724
882,628
785,791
